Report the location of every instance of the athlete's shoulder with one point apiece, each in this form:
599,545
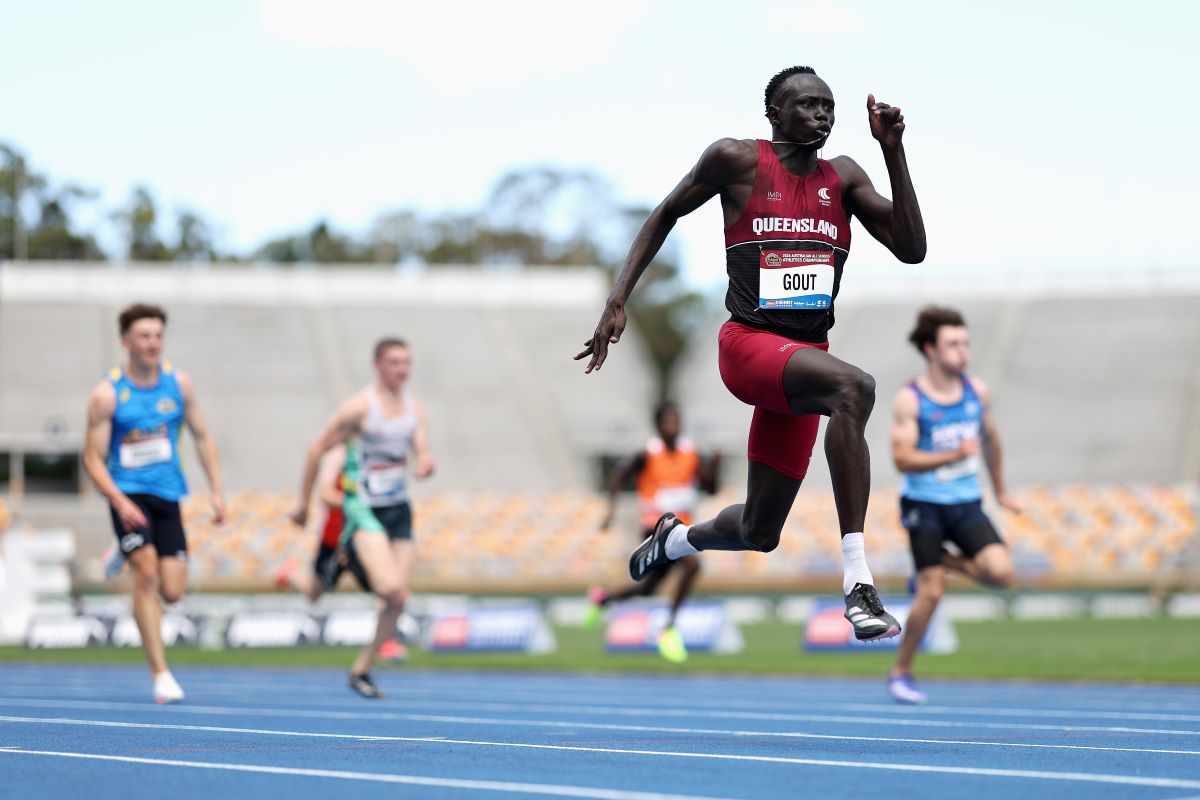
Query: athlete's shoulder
907,400
727,160
979,386
102,400
848,170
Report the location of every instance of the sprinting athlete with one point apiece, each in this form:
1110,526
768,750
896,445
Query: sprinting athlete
669,476
941,421
393,444
132,455
787,235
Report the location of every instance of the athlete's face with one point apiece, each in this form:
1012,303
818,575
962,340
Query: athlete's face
668,426
393,366
144,342
952,351
805,111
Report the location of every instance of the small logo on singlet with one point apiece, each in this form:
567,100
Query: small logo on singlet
823,197
125,395
776,196
165,405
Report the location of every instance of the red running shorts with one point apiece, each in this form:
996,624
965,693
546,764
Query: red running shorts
751,363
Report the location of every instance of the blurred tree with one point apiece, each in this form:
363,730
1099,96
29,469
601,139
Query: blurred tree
194,238
138,222
52,237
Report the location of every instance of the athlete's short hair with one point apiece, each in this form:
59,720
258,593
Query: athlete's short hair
778,80
387,343
662,409
139,311
929,321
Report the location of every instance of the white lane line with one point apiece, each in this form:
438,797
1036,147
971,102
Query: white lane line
657,701
374,777
1079,777
509,723
973,725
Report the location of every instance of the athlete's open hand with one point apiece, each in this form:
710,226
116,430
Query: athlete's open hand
132,518
1011,503
425,467
608,331
887,123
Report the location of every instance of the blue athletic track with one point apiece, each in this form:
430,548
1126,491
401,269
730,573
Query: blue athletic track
94,733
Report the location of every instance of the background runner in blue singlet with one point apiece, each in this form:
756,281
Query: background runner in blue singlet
132,455
941,421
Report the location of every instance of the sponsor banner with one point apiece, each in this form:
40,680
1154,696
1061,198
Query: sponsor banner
176,630
828,630
266,629
59,632
705,626
349,628
520,628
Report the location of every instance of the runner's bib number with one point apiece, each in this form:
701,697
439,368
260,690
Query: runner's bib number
795,279
138,453
387,480
677,499
959,469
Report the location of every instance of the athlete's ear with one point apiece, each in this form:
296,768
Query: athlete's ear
772,114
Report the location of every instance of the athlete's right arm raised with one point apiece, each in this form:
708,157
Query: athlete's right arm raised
724,162
345,423
906,433
101,406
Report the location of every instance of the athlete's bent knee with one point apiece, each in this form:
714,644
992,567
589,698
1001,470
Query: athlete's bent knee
393,597
998,577
171,594
763,540
856,393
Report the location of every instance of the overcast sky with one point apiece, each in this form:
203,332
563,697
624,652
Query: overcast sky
1049,135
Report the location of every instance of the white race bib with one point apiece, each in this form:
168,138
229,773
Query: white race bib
959,469
387,479
138,453
677,499
795,279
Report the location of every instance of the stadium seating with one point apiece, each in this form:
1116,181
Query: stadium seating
491,540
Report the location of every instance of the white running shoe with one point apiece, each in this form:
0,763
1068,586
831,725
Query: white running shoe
166,688
113,561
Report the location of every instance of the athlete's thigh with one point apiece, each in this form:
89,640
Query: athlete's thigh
404,553
375,554
812,378
926,532
143,562
172,577
994,560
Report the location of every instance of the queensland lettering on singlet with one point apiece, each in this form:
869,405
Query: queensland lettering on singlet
785,254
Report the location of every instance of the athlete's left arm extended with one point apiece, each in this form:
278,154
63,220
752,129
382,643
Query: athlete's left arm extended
992,449
206,445
895,223
424,459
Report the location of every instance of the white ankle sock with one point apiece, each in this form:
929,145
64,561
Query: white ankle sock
678,545
854,562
